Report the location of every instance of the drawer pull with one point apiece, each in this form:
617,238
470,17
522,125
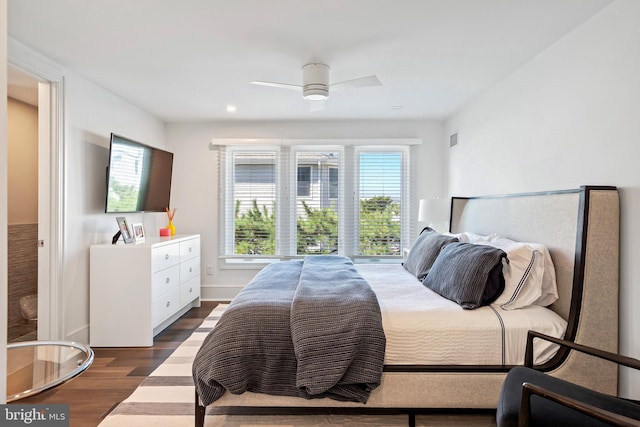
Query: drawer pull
168,303
166,256
167,280
190,269
189,248
190,290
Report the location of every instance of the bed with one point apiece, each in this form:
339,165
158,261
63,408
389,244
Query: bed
579,227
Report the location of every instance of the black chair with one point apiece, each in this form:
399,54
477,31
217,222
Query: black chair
533,398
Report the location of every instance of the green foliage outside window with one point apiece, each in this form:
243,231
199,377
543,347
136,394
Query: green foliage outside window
255,230
379,226
317,229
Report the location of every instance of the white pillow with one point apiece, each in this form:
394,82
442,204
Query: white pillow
529,275
467,237
522,274
549,283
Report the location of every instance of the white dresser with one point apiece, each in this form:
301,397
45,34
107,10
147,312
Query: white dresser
137,290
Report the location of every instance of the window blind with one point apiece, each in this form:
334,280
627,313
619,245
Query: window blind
294,201
380,199
316,212
250,202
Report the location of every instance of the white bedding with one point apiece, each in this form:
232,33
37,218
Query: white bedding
423,328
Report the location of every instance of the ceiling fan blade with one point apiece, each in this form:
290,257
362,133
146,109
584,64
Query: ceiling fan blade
316,106
278,85
359,82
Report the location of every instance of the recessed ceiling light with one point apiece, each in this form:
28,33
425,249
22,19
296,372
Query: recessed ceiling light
397,107
231,108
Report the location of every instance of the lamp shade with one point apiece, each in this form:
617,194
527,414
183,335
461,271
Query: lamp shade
423,215
433,210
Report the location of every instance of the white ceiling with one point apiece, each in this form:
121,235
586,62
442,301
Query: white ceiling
186,60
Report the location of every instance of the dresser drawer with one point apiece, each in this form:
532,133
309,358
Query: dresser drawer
165,256
164,306
189,290
189,269
165,280
189,249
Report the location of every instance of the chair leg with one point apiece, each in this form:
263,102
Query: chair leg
199,412
525,407
412,419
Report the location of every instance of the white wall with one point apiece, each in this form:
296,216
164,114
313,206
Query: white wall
22,192
91,115
569,117
195,183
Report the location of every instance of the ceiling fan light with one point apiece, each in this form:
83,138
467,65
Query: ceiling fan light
315,82
315,92
315,96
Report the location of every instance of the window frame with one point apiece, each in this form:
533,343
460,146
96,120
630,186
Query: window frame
286,192
293,223
405,199
227,192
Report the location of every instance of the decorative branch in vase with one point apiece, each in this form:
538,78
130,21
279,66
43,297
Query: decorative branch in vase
170,214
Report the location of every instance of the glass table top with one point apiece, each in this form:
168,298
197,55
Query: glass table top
35,366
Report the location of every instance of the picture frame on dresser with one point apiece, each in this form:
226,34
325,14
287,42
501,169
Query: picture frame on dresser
138,232
125,232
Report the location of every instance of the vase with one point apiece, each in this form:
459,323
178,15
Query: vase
172,227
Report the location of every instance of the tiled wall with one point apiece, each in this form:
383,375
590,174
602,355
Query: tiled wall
23,272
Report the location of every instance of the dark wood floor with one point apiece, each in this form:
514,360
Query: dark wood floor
116,372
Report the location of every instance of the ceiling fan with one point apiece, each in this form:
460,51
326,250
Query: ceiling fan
315,83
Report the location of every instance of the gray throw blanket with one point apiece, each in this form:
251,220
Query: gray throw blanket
307,328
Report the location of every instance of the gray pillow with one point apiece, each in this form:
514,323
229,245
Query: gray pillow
468,274
425,250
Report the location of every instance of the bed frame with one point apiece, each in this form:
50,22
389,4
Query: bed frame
581,230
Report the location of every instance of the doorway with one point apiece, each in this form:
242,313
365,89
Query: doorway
32,118
22,205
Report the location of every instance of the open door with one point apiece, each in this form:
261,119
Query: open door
49,209
44,214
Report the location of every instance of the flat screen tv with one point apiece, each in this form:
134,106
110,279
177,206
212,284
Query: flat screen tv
138,177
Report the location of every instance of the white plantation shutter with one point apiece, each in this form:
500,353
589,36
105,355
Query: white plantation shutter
298,200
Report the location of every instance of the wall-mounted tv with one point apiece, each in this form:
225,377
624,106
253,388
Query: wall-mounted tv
138,177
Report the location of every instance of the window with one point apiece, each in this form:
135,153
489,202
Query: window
380,196
290,201
316,216
304,181
333,183
252,203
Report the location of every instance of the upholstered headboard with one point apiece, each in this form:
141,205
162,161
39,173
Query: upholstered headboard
581,230
550,219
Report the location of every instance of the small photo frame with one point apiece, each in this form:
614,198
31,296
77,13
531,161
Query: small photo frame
138,232
124,229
